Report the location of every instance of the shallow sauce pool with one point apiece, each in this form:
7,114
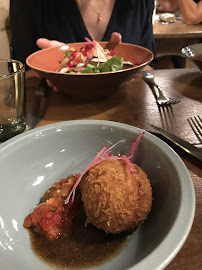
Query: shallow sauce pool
85,247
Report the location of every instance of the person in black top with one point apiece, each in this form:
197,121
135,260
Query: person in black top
70,21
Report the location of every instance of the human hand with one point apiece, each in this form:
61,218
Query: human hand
44,43
116,38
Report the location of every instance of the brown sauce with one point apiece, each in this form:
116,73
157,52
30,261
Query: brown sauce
85,247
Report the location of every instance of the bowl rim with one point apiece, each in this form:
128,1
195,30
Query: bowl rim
21,68
88,74
175,238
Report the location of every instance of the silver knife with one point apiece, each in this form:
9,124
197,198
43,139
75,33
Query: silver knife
39,105
186,146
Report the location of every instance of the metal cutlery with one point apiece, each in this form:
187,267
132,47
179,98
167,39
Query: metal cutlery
196,125
39,105
186,146
161,99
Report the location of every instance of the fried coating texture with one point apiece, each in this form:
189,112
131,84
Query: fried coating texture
114,199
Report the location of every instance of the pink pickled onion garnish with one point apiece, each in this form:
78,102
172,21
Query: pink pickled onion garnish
87,51
134,146
95,47
105,154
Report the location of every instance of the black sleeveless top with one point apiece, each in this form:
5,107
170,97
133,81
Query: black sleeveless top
62,21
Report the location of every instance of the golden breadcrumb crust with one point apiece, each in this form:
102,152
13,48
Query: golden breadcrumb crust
114,199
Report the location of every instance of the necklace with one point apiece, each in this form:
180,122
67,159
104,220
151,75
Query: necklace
99,13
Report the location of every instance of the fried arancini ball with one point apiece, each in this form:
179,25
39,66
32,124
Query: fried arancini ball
114,199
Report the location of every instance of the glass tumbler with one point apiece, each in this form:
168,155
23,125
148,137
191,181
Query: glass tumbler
12,98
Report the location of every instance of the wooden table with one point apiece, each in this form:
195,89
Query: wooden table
171,38
135,105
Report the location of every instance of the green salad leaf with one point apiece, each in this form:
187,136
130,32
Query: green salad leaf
113,64
68,53
90,69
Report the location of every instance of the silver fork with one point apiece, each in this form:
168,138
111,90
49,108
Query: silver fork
161,99
196,125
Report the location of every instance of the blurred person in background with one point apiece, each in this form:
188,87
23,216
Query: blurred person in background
191,10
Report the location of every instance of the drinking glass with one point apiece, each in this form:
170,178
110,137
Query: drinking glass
12,98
